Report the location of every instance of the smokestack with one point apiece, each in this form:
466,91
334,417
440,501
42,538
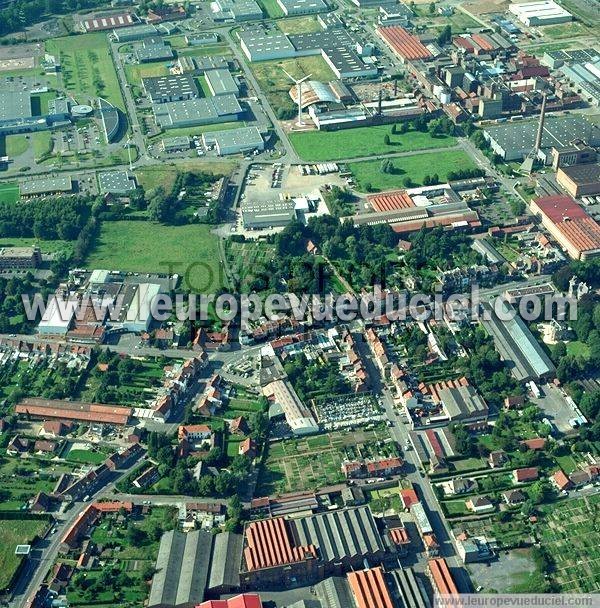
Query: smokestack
540,131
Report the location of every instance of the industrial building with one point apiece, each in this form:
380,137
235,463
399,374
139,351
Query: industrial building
221,82
234,141
191,565
298,417
441,577
176,87
580,180
517,346
15,112
333,44
569,223
267,214
20,257
116,182
195,112
48,409
515,140
309,548
108,22
577,154
545,12
46,186
404,44
111,120
176,144
584,78
153,50
135,32
236,10
301,7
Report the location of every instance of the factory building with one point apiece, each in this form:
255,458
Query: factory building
116,182
580,180
49,409
404,44
333,44
20,257
111,120
236,10
308,549
234,141
546,12
584,79
153,50
577,154
136,32
108,22
517,346
298,417
46,186
515,140
176,87
221,82
574,230
16,114
195,112
176,144
301,7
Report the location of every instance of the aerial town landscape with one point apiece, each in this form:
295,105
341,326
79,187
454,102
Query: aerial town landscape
176,431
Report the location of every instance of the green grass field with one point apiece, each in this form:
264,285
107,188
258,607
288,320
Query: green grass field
87,66
16,145
86,456
42,142
12,533
45,246
300,25
271,7
416,167
9,192
146,247
321,146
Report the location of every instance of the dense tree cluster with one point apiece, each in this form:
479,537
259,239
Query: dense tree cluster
315,379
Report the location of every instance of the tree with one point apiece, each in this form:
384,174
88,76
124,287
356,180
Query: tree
386,140
432,8
445,36
540,491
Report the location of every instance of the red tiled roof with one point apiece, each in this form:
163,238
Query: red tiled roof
389,201
269,544
436,446
399,536
74,410
404,44
527,474
538,443
483,42
561,480
408,497
369,589
245,600
441,576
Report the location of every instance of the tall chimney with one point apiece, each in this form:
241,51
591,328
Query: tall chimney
540,131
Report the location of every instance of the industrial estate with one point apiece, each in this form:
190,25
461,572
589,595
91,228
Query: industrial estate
161,152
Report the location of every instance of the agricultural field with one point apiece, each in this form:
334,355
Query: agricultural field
321,146
244,258
294,465
87,67
276,85
148,247
570,532
9,192
369,177
12,533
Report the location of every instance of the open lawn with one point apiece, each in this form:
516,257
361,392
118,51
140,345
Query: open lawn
271,7
9,192
43,143
12,533
138,246
45,246
135,73
85,456
16,145
368,174
321,146
87,66
300,25
276,85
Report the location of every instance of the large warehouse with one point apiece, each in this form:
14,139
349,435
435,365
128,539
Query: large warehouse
334,45
48,409
546,12
516,344
234,141
195,112
515,140
176,87
280,552
569,223
580,180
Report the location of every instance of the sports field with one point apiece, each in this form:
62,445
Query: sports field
15,532
87,67
416,167
142,246
9,192
321,146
